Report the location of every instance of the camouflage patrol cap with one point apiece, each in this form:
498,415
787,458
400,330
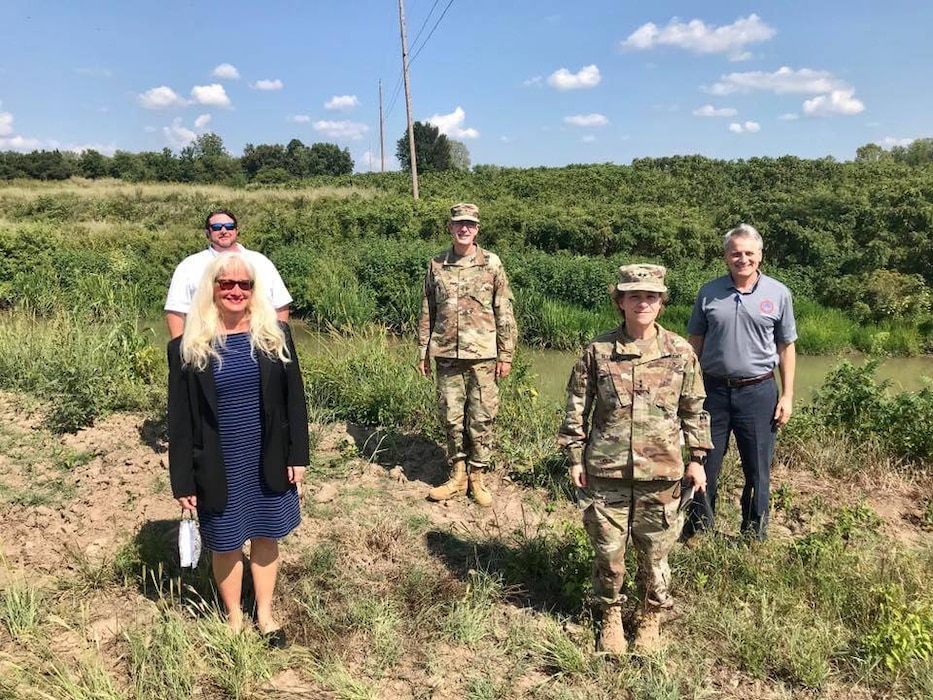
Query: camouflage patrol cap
464,212
641,278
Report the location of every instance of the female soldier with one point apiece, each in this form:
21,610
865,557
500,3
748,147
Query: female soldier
631,394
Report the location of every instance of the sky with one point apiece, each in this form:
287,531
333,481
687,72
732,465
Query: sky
520,82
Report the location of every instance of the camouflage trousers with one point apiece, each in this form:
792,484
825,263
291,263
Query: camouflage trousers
468,401
648,511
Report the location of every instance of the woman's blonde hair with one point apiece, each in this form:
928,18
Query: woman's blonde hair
204,335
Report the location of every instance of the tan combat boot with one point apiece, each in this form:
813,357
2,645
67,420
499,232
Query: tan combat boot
648,636
611,632
456,485
481,493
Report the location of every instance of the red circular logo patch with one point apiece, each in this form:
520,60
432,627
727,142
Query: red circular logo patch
766,306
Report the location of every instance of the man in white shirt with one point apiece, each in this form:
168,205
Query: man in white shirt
221,229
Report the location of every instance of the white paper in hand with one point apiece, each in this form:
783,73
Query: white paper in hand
189,543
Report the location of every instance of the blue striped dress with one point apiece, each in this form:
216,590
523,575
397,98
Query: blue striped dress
252,509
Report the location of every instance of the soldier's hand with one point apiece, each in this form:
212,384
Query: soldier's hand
503,369
578,476
424,366
697,474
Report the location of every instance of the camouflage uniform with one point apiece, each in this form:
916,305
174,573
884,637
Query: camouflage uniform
467,325
627,404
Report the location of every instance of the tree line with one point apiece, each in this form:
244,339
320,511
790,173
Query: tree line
206,160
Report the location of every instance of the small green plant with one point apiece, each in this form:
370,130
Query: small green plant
903,630
160,660
21,609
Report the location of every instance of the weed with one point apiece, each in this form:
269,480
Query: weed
237,663
903,630
20,609
160,660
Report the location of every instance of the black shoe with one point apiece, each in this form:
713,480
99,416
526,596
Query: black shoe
275,639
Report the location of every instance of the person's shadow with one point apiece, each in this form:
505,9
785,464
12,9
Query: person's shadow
540,570
421,459
151,561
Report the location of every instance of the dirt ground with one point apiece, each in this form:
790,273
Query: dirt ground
105,483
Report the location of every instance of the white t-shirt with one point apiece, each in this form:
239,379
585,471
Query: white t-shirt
189,272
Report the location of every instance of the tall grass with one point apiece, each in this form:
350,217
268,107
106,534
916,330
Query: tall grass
82,368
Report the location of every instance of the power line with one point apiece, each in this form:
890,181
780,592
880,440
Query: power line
425,23
398,85
428,37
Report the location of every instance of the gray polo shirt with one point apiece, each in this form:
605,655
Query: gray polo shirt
741,330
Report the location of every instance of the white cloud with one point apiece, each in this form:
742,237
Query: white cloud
452,125
747,127
505,139
783,80
699,37
161,97
789,117
299,118
341,130
369,161
107,149
589,138
563,79
202,121
535,81
268,85
586,120
342,102
213,95
225,71
6,123
890,141
836,102
20,143
710,111
177,135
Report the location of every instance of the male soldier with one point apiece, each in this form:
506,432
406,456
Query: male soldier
468,326
743,326
221,229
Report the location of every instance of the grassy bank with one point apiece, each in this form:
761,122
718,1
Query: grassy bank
354,252
385,595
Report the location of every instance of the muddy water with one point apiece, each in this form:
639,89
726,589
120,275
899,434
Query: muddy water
553,368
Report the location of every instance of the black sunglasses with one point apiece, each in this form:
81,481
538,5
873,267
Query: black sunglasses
230,226
227,285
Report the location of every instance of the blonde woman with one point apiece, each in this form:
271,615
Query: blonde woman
238,431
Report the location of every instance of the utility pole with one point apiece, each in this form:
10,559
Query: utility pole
411,131
382,133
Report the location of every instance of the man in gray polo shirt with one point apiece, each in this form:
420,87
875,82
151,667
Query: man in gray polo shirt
742,327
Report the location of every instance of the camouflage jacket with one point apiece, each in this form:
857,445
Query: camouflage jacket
466,310
625,410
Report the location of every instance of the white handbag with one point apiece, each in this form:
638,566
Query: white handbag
189,540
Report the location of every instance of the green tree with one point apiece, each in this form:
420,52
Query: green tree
431,148
264,156
871,153
330,159
207,160
459,155
92,164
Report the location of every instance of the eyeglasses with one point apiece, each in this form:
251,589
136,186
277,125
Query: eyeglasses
227,285
230,226
467,224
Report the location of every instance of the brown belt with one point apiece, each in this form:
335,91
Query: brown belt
735,382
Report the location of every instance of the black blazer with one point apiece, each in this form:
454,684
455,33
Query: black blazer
195,461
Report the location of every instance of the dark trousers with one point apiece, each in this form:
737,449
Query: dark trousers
748,413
